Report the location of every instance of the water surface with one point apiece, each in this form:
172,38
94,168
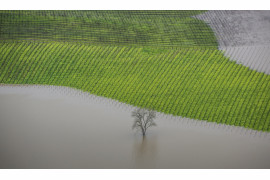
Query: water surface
58,127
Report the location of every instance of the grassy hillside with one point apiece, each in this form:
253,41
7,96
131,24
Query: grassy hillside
132,28
179,74
196,83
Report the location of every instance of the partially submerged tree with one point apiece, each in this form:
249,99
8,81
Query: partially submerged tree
143,119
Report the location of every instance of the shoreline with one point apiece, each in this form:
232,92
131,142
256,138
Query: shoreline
60,127
72,95
243,36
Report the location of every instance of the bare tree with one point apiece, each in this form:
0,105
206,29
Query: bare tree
143,119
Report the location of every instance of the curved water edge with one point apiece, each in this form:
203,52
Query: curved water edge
243,36
61,127
72,95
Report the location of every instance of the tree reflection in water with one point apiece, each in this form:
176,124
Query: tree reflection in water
144,153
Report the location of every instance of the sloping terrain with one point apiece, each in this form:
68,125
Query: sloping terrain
124,28
164,60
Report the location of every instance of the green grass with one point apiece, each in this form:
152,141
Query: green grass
164,60
132,28
211,88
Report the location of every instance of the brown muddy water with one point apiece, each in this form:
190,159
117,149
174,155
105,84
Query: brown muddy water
58,127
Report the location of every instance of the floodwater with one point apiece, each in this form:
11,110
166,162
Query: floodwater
254,57
58,127
234,28
244,36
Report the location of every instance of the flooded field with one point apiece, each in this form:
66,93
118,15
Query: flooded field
59,127
244,36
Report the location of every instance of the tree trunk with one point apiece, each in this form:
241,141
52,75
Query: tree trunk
143,131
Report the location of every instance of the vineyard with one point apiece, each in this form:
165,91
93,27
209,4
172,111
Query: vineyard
136,28
164,60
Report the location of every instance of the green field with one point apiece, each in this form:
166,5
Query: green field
131,28
164,60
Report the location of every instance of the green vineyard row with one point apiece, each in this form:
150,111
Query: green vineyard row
122,28
199,83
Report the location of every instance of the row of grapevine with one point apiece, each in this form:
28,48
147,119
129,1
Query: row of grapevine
192,82
132,28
